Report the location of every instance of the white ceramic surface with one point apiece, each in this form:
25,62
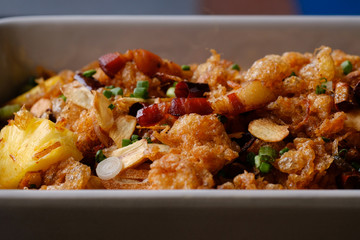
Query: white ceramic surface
71,42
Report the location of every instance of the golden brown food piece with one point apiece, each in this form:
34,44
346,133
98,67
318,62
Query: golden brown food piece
308,162
248,181
31,180
202,137
214,72
66,175
174,171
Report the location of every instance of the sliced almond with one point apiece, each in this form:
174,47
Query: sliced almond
353,119
122,129
78,94
133,154
103,113
267,130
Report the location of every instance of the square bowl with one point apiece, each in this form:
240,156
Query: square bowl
70,42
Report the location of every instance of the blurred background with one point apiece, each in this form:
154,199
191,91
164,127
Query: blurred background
184,7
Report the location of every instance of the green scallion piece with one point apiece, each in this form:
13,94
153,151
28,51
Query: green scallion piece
170,92
111,106
143,84
185,67
293,74
125,142
235,67
267,151
110,87
320,89
107,94
284,150
140,92
63,97
257,161
221,118
250,158
134,138
99,156
8,111
325,139
117,91
346,67
89,73
148,139
265,167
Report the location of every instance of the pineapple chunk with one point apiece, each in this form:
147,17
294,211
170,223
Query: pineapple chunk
32,144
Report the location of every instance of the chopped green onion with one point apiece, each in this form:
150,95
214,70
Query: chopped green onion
134,138
356,165
140,92
89,73
346,67
235,67
125,142
117,91
143,84
257,161
170,92
99,156
63,97
111,106
267,151
221,118
174,84
250,158
325,139
284,150
293,74
132,95
185,67
320,89
108,94
148,139
265,167
8,111
109,87
343,151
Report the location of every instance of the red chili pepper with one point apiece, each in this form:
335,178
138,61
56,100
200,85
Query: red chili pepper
182,106
112,63
191,90
151,115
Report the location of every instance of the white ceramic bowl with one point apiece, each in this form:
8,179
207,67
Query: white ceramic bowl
59,42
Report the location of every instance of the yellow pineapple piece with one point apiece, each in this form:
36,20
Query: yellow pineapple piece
32,144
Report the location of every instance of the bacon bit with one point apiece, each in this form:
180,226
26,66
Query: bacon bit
192,90
182,106
165,77
12,157
89,82
46,151
237,105
152,114
111,63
